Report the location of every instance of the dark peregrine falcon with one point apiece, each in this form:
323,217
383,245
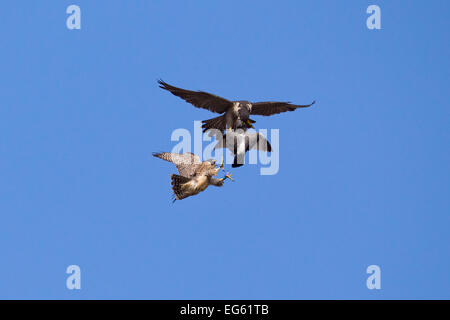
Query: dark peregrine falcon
194,175
235,114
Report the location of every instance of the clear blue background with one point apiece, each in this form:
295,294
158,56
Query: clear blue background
364,174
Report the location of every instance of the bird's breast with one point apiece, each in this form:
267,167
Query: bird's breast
202,183
236,107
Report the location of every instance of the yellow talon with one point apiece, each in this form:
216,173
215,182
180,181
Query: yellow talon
228,175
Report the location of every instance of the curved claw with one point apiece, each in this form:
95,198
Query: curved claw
228,175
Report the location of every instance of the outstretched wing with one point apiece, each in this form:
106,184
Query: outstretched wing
199,99
241,141
270,108
258,141
186,163
231,140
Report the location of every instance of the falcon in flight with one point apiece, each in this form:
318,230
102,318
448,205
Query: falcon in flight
194,175
239,142
235,114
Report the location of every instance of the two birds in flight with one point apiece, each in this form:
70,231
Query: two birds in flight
194,175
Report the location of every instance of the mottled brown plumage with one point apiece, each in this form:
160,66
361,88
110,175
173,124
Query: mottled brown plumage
194,175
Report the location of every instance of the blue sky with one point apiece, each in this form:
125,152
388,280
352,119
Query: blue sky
364,174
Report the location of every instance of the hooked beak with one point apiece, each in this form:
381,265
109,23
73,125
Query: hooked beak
250,124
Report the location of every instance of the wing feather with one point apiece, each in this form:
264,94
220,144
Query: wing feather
186,163
233,139
257,141
273,107
199,99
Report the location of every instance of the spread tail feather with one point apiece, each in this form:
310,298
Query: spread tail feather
218,123
177,183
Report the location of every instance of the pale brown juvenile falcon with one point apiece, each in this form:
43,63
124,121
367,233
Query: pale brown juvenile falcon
235,114
194,175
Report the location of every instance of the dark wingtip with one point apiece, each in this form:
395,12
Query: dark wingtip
156,154
162,84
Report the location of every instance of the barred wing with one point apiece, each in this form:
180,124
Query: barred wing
186,163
